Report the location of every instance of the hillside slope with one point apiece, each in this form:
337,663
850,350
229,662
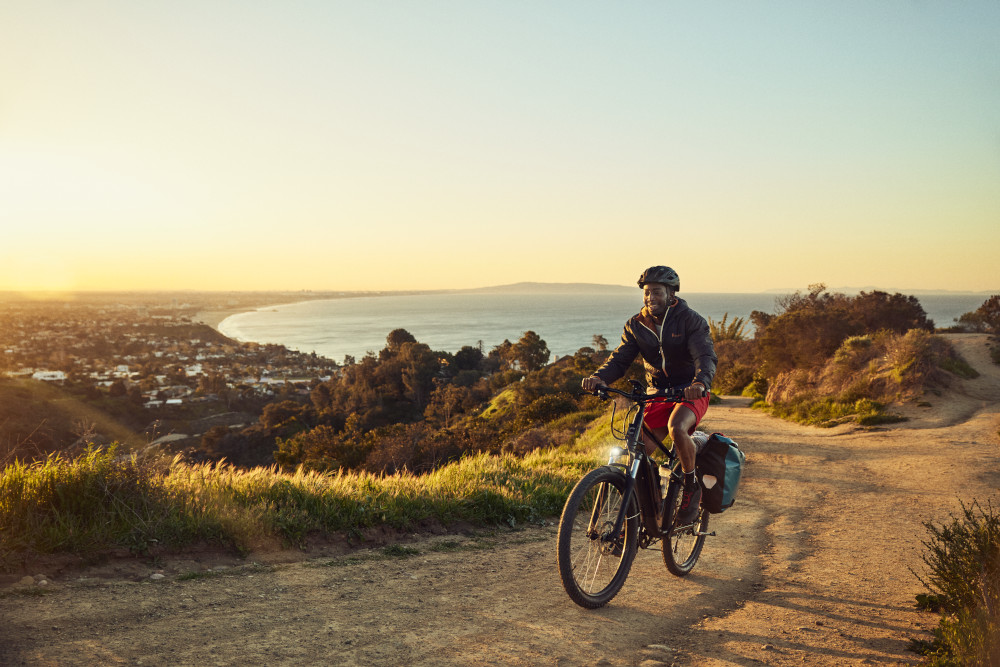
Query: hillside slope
812,566
963,398
37,417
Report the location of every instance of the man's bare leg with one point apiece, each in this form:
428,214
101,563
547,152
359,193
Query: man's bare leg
660,433
682,420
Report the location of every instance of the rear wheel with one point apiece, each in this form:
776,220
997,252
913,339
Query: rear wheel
682,545
593,561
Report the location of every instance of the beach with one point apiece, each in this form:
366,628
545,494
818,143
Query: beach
214,318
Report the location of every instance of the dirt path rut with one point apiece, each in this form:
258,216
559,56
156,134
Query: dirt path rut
812,566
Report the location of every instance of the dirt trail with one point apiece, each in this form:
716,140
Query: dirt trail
812,566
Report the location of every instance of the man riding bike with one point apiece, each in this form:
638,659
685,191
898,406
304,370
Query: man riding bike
676,347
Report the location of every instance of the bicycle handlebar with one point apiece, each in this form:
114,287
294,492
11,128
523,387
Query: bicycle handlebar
671,394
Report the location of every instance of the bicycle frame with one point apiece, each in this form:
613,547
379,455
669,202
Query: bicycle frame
641,472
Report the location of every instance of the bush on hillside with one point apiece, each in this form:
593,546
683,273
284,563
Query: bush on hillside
378,440
410,447
736,366
863,375
985,319
549,407
731,331
813,326
828,357
963,561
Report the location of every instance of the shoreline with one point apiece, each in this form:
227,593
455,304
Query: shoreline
363,337
213,318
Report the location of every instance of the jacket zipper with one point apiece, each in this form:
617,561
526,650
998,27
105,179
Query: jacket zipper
659,338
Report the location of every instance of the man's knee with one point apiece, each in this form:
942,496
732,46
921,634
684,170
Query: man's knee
679,433
681,423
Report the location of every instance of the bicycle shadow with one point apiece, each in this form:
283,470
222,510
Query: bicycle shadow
831,626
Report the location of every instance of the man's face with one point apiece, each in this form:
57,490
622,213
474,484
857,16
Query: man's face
656,297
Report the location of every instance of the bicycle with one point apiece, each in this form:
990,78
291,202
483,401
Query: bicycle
617,508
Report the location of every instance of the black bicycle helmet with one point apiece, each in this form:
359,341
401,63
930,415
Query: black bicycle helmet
661,274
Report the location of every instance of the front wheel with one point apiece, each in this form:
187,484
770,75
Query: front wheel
593,561
682,545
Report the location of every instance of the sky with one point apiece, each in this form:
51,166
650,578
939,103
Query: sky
426,144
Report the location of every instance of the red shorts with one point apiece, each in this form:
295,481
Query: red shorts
658,412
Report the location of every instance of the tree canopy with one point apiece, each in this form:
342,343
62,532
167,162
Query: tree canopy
984,319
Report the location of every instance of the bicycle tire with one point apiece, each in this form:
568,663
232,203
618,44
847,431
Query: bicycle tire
682,546
592,567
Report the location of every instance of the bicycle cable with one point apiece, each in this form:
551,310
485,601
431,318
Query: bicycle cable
619,433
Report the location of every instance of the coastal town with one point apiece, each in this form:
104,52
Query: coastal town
158,355
160,347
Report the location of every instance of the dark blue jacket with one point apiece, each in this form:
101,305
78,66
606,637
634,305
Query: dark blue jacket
683,353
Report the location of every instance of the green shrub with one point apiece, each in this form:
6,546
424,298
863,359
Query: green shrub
733,379
986,318
736,367
548,408
876,418
853,347
829,412
958,366
735,330
757,389
963,558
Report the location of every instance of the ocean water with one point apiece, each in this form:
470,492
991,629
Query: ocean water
446,322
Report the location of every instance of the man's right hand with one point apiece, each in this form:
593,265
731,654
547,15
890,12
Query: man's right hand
592,384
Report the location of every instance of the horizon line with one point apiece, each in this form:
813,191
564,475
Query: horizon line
506,286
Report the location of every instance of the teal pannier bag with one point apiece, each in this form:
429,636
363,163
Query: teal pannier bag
719,467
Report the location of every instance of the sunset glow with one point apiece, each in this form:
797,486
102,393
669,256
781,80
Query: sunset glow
357,146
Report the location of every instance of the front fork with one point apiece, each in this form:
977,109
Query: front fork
632,442
622,513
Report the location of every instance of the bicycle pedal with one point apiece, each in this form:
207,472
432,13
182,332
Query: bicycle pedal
700,534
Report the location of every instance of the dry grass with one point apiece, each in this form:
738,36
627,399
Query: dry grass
99,501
